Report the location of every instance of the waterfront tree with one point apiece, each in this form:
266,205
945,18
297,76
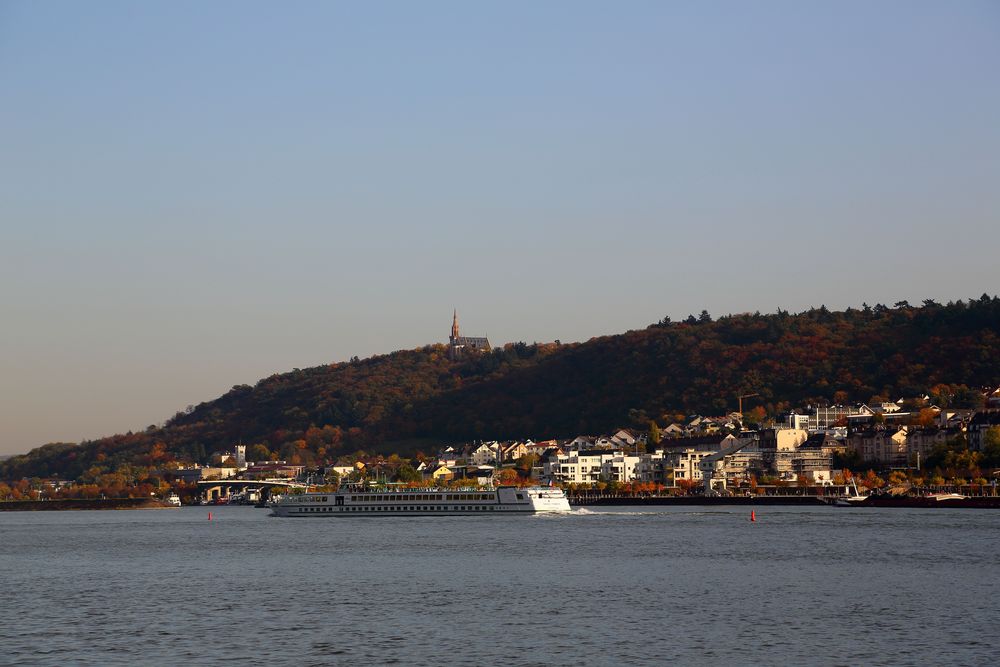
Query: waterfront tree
654,434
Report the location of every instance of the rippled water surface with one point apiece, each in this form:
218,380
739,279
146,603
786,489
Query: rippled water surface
818,586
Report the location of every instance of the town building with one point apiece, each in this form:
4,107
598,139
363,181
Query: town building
826,417
514,450
886,445
981,422
590,466
196,472
484,454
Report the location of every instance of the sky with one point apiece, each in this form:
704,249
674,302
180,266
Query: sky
195,195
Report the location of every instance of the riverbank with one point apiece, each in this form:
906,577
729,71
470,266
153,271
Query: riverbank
970,502
583,501
882,500
83,504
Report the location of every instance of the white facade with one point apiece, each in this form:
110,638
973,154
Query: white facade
587,467
484,454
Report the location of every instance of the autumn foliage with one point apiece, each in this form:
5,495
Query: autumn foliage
406,400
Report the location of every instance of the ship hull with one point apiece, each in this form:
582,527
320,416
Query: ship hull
422,502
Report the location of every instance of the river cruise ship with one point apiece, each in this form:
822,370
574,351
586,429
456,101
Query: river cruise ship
422,502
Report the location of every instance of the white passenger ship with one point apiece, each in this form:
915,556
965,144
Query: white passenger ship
422,502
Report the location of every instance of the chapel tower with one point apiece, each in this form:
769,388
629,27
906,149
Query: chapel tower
459,344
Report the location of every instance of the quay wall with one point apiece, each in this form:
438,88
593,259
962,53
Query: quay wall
82,504
585,500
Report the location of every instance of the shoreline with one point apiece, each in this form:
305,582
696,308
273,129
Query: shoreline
973,502
83,504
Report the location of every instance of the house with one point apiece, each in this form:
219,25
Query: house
484,453
580,442
480,474
626,438
672,431
920,442
514,451
605,442
884,445
342,471
980,423
539,448
953,418
439,474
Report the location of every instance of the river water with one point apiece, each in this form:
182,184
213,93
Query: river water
806,586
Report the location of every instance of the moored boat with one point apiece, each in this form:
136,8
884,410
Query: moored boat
854,500
947,496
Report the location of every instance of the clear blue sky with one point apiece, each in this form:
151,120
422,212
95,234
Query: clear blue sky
199,194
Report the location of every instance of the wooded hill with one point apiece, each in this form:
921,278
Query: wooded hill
400,401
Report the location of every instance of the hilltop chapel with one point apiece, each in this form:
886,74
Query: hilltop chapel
459,345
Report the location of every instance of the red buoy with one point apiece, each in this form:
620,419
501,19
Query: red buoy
753,515
209,516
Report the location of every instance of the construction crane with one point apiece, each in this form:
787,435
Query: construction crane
740,399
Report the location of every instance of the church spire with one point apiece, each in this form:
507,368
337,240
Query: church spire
454,325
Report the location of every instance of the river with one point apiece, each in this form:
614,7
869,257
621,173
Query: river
597,586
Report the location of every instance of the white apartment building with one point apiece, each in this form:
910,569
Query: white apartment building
588,466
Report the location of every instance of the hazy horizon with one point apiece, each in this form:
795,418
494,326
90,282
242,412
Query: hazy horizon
198,195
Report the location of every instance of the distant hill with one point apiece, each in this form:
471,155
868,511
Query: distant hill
395,402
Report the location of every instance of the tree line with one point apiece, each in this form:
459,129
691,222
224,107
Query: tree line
415,400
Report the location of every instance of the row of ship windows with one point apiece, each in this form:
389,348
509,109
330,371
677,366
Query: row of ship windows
406,508
422,496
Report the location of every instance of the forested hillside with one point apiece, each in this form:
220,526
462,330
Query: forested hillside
388,403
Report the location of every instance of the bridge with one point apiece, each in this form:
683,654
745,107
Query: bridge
213,489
